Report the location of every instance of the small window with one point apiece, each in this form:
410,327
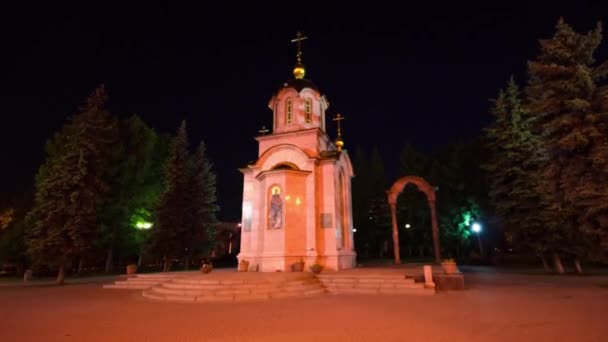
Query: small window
288,111
308,111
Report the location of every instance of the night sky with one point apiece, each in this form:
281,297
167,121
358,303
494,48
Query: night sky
422,74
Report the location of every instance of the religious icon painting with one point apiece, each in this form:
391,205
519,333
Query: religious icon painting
275,215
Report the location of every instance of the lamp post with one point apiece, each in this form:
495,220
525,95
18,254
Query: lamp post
476,228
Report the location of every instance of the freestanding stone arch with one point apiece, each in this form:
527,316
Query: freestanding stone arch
429,191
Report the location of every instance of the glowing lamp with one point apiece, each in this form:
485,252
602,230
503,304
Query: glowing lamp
476,227
143,225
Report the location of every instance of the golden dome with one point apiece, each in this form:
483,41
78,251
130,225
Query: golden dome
299,71
339,143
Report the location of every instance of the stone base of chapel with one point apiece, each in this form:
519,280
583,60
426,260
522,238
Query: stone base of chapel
283,263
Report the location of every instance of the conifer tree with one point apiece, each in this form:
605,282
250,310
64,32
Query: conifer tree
516,152
133,187
201,217
166,236
371,213
570,107
70,187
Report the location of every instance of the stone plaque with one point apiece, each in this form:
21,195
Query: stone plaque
247,225
326,221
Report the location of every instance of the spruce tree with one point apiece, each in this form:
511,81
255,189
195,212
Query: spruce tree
133,187
460,192
516,152
201,219
570,107
166,236
70,187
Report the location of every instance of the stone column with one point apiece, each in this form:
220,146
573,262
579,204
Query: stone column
395,232
435,231
428,276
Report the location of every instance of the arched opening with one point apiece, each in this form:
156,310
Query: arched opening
288,111
429,191
308,111
285,166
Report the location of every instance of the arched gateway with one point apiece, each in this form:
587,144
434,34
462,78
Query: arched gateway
429,191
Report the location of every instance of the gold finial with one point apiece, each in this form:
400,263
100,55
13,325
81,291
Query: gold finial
298,70
263,130
339,141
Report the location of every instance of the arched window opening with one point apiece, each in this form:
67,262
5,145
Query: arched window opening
285,166
308,111
288,111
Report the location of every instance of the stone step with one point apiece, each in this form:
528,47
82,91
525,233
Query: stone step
224,298
404,291
219,290
154,275
216,287
180,292
228,297
153,295
196,281
143,281
186,286
371,285
366,280
409,291
360,276
137,282
210,286
127,286
252,297
204,288
234,291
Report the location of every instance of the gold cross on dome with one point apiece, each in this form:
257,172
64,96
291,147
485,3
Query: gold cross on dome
298,40
339,118
263,130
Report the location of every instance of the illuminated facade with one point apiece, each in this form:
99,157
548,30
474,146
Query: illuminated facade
297,195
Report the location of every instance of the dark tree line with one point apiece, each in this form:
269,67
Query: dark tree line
112,190
549,152
543,180
461,200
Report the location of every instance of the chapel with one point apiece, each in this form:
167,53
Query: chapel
297,195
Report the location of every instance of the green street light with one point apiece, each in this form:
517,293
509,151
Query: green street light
143,225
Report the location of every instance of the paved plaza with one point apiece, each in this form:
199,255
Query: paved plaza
497,306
